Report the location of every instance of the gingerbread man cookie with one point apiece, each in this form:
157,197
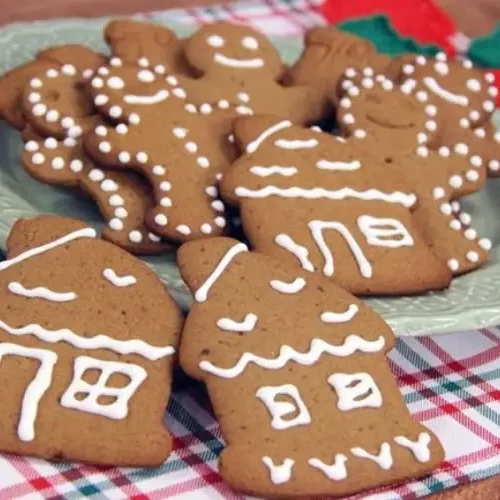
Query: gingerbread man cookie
395,124
335,210
238,66
87,338
179,148
318,411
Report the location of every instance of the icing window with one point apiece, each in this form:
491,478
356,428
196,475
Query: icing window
384,232
285,405
98,397
358,390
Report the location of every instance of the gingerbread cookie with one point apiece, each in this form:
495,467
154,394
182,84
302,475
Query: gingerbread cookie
145,44
328,53
318,411
335,210
82,381
122,198
179,148
396,124
238,66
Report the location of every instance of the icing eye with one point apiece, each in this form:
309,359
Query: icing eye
473,85
215,41
250,43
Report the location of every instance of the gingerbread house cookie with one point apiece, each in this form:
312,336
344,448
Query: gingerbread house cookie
87,338
318,411
336,210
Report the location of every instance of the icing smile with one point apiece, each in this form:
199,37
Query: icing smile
434,87
160,96
238,63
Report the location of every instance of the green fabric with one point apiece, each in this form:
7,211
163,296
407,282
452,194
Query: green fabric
485,51
380,32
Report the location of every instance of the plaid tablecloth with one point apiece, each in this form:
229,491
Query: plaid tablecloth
451,382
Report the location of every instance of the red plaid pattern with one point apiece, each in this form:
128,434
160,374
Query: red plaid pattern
451,383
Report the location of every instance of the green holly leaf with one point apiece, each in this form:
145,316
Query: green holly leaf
484,51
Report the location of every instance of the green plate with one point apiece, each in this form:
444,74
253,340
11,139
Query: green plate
472,301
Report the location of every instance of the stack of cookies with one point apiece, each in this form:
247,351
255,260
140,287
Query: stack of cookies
171,138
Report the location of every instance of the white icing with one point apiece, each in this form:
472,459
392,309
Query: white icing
215,41
296,144
274,169
382,232
318,347
383,459
472,256
250,43
238,63
317,227
119,281
452,98
473,85
254,145
453,264
419,448
81,233
357,390
338,165
230,325
278,409
40,293
118,409
345,317
161,219
336,471
302,253
405,199
115,82
279,473
156,98
441,68
294,287
36,388
146,76
202,292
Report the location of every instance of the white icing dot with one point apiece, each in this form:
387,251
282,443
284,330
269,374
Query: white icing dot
116,224
473,84
124,157
52,73
58,163
104,147
206,109
31,146
158,170
38,158
96,175
347,84
203,161
206,228
146,76
220,222
244,110
165,186
456,181
134,119
68,69
69,142
348,119
367,83
160,69
472,256
422,138
444,151
121,213
183,229
219,176
368,71
453,264
116,200
461,148
445,208
455,225
243,97
485,244
39,109
121,129
493,91
408,69
172,80
180,93
67,122
217,205
489,106
109,186
50,143
441,56
191,147
103,71
135,237
87,73
350,72
154,238
250,43
180,132
166,202
115,111
101,131
421,96
474,115
489,77
496,137
359,133
34,97
97,83
143,62
223,104
431,125
421,60
142,157
422,151
353,91
480,132
476,161
75,131
211,191
467,64
441,68
76,166
438,193
465,218
161,220
190,108
464,123
116,62
215,41
36,83
431,110
455,206
231,139
494,165
100,100
472,175
470,234
345,103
